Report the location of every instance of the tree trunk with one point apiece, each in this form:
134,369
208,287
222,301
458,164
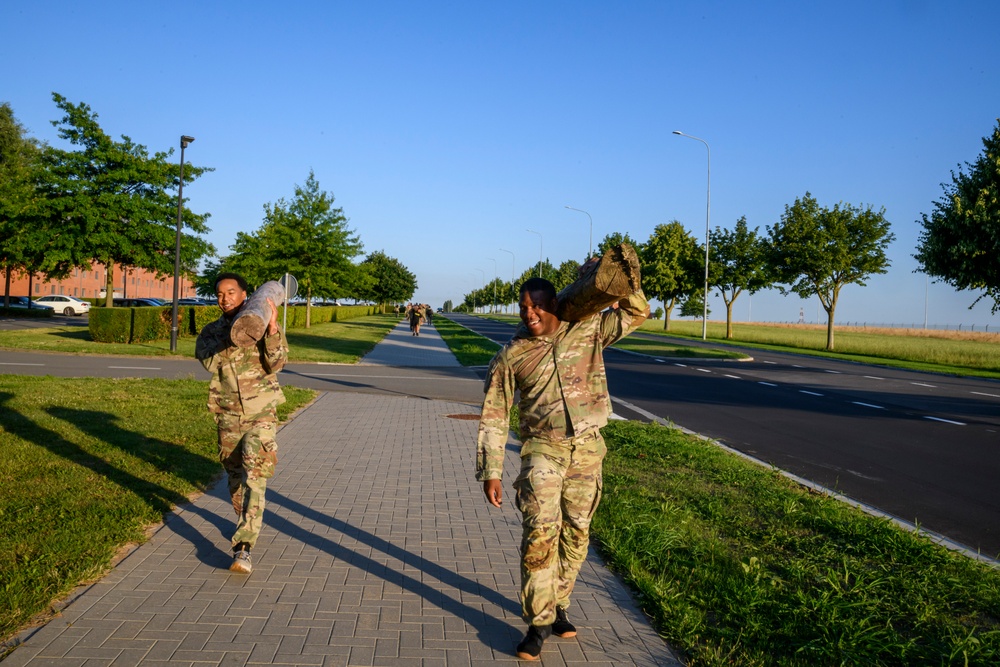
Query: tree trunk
6,290
829,327
729,319
309,301
109,284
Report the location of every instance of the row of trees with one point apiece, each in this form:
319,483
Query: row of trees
815,250
107,201
309,238
812,250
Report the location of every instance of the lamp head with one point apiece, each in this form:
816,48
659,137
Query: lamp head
678,132
185,140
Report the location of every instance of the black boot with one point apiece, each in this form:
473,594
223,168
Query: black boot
562,627
531,646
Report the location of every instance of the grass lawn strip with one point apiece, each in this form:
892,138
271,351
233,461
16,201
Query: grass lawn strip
470,348
331,342
88,466
739,565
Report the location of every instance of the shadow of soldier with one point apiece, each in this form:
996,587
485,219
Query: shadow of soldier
286,515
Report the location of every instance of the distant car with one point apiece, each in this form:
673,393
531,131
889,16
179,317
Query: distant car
136,303
67,305
22,302
194,302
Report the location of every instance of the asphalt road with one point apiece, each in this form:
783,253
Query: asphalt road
920,446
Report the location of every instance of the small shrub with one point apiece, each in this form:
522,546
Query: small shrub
110,325
150,324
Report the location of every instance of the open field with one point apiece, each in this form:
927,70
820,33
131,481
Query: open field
88,466
335,342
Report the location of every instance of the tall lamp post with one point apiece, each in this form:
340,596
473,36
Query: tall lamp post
511,267
482,274
185,140
492,305
590,252
531,231
708,213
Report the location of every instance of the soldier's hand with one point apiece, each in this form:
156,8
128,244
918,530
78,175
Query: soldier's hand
272,325
494,492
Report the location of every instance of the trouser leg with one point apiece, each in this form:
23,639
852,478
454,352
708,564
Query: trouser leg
249,464
538,489
582,486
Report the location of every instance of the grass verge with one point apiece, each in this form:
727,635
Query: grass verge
469,348
334,342
738,565
88,466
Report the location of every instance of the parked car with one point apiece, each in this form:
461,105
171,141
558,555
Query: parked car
67,305
22,302
194,302
136,303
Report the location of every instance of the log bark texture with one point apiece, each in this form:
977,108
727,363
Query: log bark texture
613,278
250,324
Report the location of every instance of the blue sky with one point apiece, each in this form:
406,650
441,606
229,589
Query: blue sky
445,130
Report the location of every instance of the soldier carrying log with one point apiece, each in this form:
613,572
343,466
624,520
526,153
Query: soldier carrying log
558,367
244,395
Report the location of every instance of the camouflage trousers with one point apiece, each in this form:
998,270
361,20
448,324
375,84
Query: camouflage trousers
558,491
249,453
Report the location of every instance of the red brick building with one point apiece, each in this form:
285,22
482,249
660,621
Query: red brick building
91,284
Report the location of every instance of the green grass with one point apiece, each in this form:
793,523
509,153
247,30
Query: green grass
469,348
335,342
87,466
740,566
663,348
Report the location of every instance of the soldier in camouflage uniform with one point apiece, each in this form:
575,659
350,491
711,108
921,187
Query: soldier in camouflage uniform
244,395
559,369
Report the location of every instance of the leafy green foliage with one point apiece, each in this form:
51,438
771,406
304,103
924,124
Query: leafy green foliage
110,202
20,237
389,280
615,239
818,250
670,266
960,241
738,262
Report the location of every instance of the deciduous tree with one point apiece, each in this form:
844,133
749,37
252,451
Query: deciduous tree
390,281
18,174
960,242
817,250
670,263
738,263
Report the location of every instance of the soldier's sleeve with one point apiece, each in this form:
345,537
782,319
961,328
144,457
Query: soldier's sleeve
626,318
275,351
208,346
494,423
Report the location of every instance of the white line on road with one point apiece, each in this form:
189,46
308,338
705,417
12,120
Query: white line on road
873,377
14,363
811,393
136,368
979,393
661,361
768,384
703,370
868,405
771,362
681,365
946,421
923,384
735,377
797,366
829,371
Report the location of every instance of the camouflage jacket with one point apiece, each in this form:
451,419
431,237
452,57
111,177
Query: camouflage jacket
561,377
244,379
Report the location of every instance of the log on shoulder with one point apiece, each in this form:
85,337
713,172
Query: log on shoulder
613,278
250,324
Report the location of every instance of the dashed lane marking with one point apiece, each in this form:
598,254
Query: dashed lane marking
811,393
868,405
768,384
946,421
980,393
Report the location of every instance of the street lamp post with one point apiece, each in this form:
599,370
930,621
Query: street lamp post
511,267
185,140
590,252
482,274
530,231
708,214
492,305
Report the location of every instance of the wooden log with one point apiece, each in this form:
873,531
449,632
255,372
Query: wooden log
250,324
613,278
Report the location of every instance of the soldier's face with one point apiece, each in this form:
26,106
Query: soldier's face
538,314
230,295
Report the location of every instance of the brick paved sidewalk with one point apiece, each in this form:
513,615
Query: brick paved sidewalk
401,348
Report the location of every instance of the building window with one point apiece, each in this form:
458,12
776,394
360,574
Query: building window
38,288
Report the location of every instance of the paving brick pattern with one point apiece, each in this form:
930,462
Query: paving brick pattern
378,549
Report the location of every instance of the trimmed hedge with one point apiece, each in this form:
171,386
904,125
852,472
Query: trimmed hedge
142,325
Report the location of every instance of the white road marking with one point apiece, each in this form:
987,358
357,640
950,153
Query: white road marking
681,365
768,384
136,368
617,416
703,370
773,363
829,371
735,377
980,393
811,393
797,366
946,421
922,384
872,377
868,405
14,363
661,361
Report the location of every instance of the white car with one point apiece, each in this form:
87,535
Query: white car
67,305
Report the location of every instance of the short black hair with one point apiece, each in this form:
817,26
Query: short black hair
536,285
232,276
